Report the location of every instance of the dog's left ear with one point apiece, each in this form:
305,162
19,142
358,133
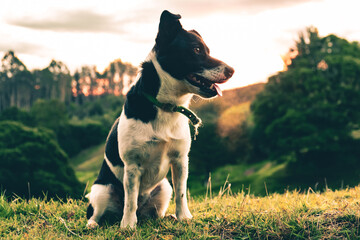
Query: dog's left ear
193,31
168,28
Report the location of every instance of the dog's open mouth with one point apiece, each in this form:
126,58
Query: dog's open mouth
205,84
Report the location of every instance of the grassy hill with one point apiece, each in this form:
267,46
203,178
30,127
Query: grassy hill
88,162
293,215
233,97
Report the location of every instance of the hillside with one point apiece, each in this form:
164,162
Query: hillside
240,95
232,97
88,162
293,215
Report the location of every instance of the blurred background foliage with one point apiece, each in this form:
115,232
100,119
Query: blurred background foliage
299,130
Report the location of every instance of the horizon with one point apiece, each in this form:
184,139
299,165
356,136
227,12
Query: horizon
249,36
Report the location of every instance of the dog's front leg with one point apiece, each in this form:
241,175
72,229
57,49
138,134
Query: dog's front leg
131,182
179,170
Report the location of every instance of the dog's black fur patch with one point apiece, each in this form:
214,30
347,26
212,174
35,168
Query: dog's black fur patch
90,211
136,105
106,176
112,148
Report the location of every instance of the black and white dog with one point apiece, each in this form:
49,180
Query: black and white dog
146,140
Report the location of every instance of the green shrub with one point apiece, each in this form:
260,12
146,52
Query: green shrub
50,114
16,114
75,137
33,163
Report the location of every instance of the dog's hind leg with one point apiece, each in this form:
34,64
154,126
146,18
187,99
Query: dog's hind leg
102,198
157,202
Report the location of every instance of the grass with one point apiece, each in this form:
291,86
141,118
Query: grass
293,215
88,162
332,214
255,176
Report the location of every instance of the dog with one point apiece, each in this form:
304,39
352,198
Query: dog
152,133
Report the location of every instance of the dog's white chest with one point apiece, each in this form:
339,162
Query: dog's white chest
154,158
154,164
152,148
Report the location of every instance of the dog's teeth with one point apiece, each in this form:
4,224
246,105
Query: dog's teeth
212,86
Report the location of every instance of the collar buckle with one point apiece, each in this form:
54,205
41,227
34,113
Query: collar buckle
168,107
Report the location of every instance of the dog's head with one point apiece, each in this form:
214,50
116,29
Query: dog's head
184,55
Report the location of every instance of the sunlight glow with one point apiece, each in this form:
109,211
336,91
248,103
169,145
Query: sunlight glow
252,42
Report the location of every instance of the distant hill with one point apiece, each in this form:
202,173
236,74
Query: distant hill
232,97
240,95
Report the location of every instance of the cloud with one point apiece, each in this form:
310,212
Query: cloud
87,20
72,21
207,7
23,48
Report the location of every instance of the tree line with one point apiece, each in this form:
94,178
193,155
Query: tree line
305,118
20,87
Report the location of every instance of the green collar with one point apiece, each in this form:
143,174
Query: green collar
168,107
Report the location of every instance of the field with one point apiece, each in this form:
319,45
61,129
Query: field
293,215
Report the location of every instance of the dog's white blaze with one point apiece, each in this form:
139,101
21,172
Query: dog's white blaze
172,90
214,74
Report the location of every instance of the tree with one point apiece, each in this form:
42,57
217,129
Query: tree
120,76
61,88
78,95
16,83
88,81
44,81
33,163
50,114
308,113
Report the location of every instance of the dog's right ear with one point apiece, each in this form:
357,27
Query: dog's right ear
168,28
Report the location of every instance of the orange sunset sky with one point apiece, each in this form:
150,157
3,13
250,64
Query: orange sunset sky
250,35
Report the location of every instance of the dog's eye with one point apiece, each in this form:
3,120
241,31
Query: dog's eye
197,50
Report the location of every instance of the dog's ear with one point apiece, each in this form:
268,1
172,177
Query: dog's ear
194,31
168,28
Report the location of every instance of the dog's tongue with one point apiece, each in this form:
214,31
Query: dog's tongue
218,89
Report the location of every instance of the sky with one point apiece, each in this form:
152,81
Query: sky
249,35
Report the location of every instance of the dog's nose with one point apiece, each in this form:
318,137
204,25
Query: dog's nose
228,72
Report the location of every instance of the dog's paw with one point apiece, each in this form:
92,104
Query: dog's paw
184,215
92,224
171,217
128,222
